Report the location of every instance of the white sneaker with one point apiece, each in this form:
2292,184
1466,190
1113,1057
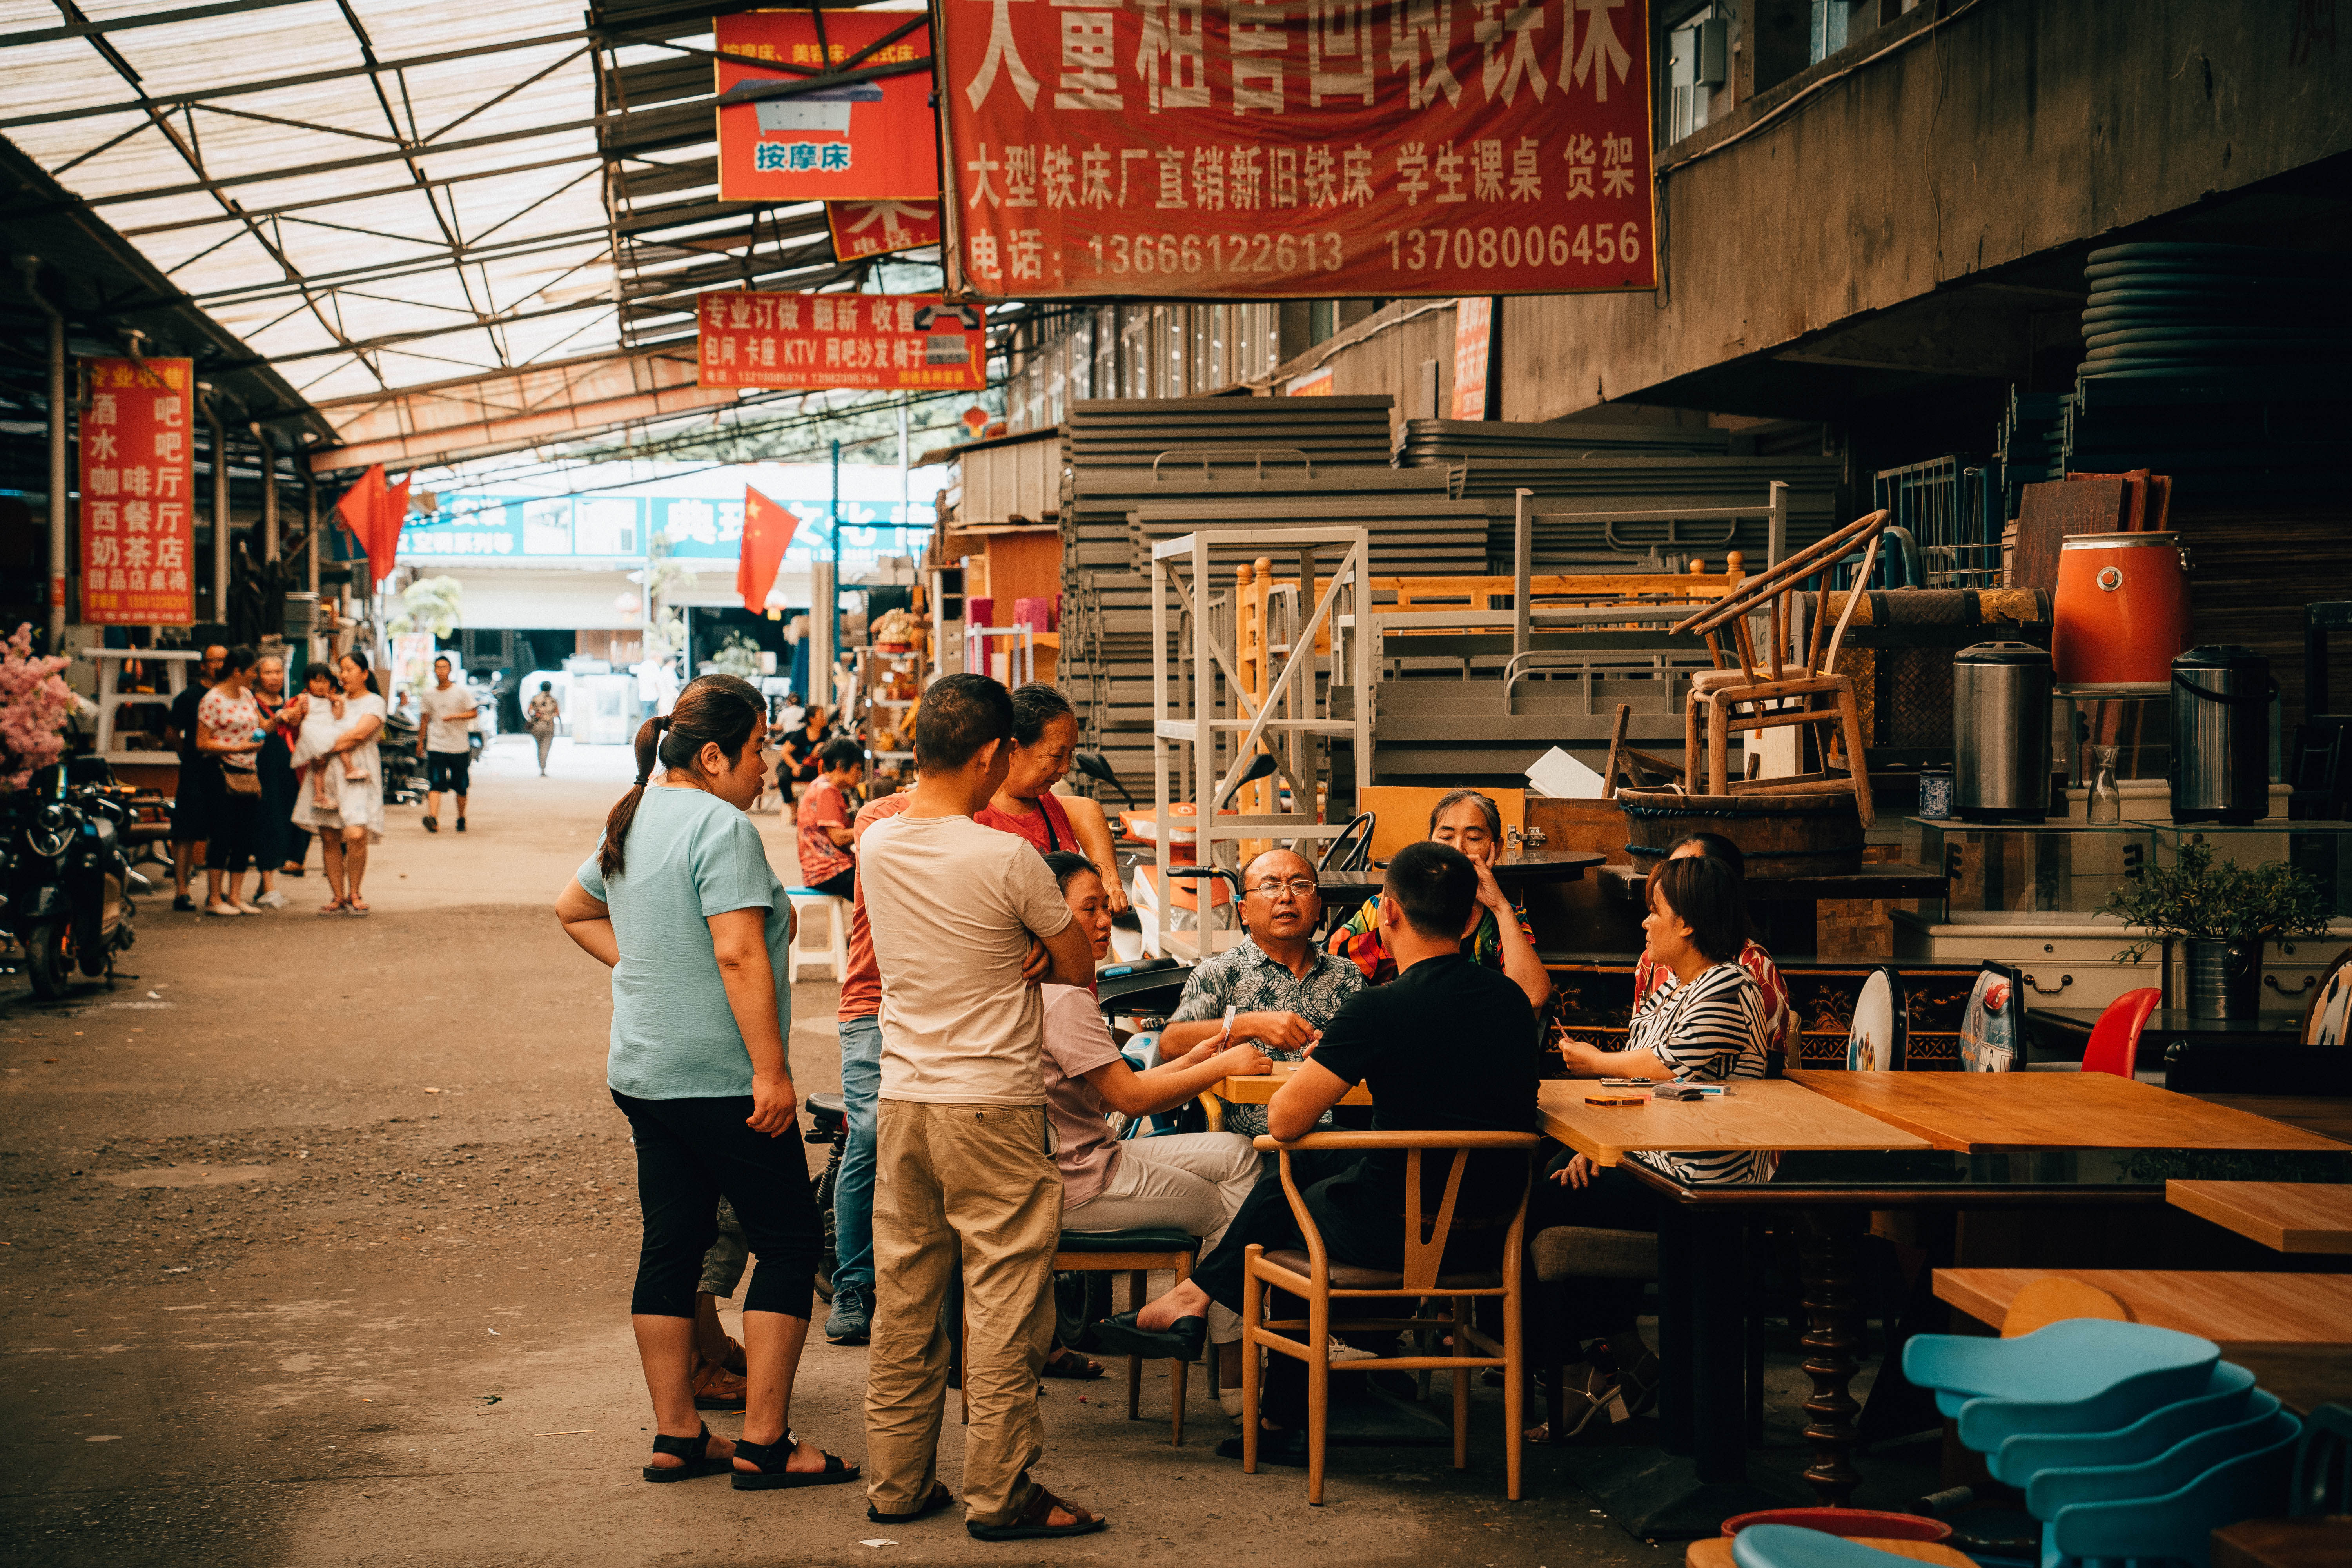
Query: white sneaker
273,899
1342,1351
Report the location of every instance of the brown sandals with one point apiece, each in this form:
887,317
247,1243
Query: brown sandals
1031,1524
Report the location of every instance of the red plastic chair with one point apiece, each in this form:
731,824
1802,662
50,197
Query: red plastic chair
2114,1038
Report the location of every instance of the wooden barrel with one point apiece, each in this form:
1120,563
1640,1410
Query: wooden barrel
1816,832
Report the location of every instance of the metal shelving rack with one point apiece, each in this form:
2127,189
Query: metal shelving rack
1201,704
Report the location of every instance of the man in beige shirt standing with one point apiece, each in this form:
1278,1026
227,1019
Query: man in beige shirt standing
962,1152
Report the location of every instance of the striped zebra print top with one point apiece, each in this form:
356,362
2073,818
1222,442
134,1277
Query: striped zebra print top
1714,1028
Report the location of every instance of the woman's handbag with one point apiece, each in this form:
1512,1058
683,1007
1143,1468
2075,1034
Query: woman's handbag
242,781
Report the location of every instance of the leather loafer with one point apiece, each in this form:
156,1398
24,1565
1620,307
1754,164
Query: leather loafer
1119,1335
1273,1448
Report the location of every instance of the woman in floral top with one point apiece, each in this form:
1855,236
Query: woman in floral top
1472,823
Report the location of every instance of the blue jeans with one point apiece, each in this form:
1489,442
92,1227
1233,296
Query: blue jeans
853,1192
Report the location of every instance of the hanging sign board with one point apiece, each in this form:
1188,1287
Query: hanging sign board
861,229
1255,149
853,141
918,342
1474,338
138,481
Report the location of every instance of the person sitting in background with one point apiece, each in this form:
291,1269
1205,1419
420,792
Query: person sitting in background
1780,1020
800,746
1192,1181
1469,821
1448,1046
1708,1026
1274,990
827,862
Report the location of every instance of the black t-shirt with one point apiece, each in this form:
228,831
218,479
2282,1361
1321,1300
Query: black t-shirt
1448,1046
183,719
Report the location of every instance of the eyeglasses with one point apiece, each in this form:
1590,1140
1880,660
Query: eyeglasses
1273,888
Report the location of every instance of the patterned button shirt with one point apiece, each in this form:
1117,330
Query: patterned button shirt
1248,980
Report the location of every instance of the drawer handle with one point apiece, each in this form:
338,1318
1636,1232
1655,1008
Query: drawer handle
2308,981
2040,989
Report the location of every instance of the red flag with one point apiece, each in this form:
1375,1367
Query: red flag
374,511
767,532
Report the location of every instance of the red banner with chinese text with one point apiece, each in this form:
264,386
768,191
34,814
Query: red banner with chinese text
861,229
1255,149
900,342
858,141
138,484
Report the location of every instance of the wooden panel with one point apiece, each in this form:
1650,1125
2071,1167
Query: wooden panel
2049,514
1756,1113
1985,1112
2320,1542
2285,1216
2275,1308
1023,566
1403,811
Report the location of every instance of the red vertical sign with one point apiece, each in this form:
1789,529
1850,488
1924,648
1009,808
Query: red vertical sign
138,486
1473,339
1255,149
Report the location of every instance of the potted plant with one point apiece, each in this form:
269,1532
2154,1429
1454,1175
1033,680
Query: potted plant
2223,913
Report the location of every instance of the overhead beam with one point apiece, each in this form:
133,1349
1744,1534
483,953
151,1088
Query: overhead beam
146,19
504,409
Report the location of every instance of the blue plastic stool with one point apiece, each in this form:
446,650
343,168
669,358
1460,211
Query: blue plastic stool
2084,1375
1792,1546
2230,1397
2179,1525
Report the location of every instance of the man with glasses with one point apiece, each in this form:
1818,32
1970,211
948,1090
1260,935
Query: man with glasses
1274,991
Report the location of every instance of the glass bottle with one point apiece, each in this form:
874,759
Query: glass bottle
2105,806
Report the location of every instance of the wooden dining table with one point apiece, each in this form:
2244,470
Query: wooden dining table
1995,1113
2285,1216
1258,1089
1751,1113
2252,1309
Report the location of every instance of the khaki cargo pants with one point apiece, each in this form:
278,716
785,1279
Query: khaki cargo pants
978,1177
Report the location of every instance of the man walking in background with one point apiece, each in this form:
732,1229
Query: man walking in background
189,827
442,742
962,1162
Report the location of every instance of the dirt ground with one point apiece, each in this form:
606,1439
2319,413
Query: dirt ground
317,1244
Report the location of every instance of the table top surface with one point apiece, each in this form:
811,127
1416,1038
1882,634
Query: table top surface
1259,1090
1754,1114
2285,1216
1880,880
2330,1115
1545,866
1984,1113
2270,1309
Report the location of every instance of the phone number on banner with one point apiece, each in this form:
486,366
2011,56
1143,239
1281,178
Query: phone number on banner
1410,250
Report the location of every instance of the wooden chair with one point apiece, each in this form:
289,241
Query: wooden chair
1770,685
1322,1284
2055,1297
1566,1252
1136,1253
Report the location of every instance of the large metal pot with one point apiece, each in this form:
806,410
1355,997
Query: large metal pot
2225,979
2000,732
2221,734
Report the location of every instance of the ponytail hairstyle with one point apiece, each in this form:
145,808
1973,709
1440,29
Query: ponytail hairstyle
713,710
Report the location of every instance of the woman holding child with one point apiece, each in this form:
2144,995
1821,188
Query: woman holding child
340,775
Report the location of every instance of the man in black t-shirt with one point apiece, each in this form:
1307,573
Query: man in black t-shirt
1448,1046
189,827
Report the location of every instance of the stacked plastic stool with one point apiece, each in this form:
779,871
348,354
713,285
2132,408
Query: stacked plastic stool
2130,1443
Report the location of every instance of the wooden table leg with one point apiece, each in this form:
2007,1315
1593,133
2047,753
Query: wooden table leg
1830,1251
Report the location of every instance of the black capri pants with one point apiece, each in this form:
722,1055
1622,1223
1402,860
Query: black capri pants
235,829
692,1152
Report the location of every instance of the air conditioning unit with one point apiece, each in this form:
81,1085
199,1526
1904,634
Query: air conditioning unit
1701,54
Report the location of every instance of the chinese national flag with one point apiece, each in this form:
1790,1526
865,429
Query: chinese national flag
766,531
374,511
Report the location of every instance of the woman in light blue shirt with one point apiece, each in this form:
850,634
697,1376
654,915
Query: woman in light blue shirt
679,903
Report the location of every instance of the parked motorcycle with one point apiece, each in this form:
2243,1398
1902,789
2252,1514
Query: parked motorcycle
68,875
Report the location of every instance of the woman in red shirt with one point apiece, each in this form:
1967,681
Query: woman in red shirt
1044,734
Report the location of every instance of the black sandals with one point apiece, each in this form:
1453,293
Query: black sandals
772,1475
694,1450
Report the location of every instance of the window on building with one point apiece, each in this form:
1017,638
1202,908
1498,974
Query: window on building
1829,18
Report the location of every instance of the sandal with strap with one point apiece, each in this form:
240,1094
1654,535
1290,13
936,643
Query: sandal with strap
778,1455
1066,1363
715,1387
939,1498
1030,1523
694,1450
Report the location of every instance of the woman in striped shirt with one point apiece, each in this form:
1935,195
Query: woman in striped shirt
1711,1024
